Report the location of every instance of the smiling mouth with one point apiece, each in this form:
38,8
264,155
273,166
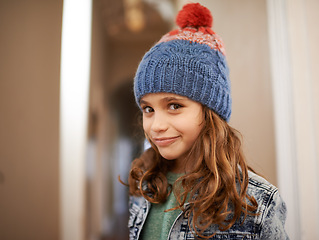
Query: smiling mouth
163,142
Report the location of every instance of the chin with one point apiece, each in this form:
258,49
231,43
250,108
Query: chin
168,157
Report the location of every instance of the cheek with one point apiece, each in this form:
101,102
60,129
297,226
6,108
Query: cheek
189,127
146,124
192,129
192,122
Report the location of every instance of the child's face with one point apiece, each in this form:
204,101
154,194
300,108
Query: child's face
172,122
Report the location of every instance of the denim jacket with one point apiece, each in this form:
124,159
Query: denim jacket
267,224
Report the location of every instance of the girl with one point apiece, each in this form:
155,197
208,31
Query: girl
194,181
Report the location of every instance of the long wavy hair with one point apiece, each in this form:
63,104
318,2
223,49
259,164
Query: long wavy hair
216,186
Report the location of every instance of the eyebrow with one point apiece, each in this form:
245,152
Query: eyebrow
143,102
168,99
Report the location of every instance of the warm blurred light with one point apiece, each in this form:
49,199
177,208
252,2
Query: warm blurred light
75,69
134,17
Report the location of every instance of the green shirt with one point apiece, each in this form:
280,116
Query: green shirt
158,223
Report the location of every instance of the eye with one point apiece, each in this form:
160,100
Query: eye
148,109
174,106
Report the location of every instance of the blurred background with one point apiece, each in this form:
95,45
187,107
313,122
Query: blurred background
69,125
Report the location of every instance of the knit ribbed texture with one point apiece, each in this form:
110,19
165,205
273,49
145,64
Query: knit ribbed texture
189,69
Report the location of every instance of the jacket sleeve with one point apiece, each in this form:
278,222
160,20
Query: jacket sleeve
273,226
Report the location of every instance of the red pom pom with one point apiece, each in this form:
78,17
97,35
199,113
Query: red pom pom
194,15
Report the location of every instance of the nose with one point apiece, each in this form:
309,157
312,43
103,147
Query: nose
159,123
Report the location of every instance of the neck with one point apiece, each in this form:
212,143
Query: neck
179,166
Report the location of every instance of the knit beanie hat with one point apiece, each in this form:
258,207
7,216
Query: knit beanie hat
189,61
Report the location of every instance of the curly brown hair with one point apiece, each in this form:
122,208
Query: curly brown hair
216,186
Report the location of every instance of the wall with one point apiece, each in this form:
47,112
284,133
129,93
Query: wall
311,226
30,46
98,167
313,50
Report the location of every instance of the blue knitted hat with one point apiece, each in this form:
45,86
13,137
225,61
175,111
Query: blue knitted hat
189,61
